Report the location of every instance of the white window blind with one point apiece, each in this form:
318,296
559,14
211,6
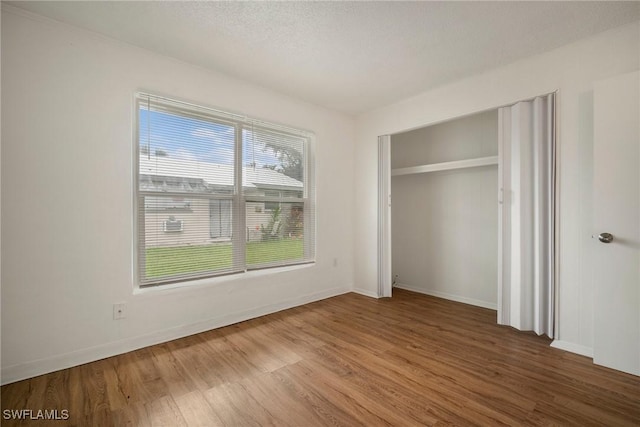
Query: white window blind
218,193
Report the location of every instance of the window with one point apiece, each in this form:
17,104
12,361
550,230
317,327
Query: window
218,193
270,206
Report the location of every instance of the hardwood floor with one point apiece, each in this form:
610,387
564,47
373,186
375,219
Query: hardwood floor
349,360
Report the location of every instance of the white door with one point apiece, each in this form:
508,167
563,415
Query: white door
617,212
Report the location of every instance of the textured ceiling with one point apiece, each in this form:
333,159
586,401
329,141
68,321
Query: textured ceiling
349,56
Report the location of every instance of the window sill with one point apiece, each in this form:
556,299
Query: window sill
214,281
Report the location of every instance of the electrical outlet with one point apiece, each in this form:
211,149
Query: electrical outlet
119,311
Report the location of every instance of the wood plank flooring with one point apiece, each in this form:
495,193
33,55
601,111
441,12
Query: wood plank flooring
345,361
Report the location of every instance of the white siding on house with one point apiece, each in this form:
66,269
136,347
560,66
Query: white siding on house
196,226
204,220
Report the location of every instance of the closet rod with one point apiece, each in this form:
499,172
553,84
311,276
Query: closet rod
458,164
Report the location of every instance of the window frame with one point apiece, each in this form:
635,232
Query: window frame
237,197
267,204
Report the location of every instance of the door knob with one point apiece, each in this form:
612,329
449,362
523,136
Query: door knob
605,237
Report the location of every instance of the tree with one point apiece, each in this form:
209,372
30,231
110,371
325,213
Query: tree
272,230
290,160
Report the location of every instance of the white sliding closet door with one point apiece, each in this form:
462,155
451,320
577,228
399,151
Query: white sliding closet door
384,216
526,241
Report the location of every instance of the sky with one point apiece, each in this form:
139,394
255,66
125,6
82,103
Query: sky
205,141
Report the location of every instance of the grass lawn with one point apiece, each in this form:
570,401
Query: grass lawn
162,262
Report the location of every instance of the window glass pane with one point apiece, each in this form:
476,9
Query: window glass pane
184,242
271,205
272,161
274,236
185,154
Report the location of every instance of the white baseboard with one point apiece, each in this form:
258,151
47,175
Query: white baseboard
451,297
62,361
365,292
573,348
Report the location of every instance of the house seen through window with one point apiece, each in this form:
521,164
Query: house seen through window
218,193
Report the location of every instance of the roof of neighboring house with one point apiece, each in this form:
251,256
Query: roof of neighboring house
165,173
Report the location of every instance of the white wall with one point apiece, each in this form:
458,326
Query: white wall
67,109
445,224
572,70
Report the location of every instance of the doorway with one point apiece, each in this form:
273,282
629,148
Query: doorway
444,181
466,222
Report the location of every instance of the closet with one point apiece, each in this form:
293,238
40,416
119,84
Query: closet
467,212
444,214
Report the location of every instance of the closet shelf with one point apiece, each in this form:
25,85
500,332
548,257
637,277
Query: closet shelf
458,164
